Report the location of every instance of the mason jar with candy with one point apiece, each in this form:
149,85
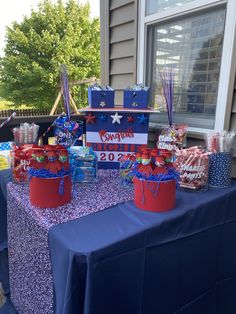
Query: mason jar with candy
21,161
192,164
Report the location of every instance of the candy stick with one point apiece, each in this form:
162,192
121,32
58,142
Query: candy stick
8,120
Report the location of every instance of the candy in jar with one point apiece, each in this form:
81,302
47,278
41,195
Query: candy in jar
192,165
21,161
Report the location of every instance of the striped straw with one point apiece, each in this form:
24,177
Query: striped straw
8,120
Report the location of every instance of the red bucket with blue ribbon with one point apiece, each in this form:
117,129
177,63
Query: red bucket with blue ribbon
50,181
50,192
154,196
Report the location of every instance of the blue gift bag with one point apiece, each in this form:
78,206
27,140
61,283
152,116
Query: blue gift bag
136,98
67,132
220,165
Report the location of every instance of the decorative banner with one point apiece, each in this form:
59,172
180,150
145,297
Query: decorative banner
111,140
122,136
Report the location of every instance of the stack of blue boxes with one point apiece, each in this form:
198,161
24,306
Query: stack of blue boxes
83,163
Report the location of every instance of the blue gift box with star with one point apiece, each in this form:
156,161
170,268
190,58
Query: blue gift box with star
101,97
136,97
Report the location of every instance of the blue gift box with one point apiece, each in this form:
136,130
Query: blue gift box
136,98
101,98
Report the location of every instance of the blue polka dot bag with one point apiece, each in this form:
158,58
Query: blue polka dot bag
220,165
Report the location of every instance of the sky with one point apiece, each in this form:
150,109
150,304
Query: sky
14,10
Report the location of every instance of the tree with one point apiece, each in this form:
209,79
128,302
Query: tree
54,34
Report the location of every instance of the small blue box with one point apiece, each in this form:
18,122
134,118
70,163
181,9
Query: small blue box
103,98
136,99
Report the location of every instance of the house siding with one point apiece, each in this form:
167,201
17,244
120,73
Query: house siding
119,20
119,53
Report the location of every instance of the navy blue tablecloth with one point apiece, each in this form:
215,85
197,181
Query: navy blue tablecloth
5,177
127,261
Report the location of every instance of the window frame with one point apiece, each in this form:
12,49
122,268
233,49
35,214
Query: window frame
228,59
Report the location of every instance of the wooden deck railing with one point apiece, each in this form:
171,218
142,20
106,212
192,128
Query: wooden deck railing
24,112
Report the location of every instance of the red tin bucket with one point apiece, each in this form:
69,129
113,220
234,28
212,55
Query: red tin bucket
154,196
50,192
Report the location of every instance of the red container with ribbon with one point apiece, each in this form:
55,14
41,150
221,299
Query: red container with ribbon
50,183
154,182
154,196
47,192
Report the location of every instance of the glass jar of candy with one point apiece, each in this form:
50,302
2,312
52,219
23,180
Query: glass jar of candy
83,164
193,167
20,163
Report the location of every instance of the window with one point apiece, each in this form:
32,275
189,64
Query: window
192,48
189,37
153,6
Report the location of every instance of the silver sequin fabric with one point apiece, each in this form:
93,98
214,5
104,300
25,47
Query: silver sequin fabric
31,281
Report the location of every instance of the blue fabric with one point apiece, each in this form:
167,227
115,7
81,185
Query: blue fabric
4,272
127,261
8,307
5,177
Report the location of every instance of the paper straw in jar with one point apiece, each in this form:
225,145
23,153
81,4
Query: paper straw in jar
8,120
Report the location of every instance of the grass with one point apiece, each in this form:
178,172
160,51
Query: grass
5,105
8,105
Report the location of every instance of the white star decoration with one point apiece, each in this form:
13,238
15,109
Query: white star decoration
102,104
116,118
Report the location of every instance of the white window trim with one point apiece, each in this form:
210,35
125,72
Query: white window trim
228,62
